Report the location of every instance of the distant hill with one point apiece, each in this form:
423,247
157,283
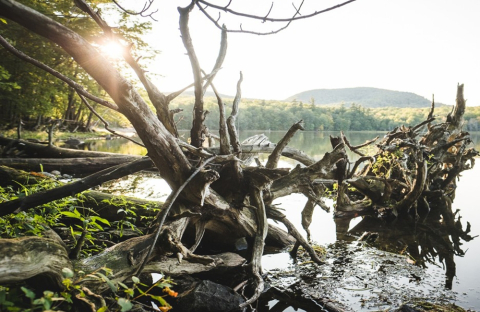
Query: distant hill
367,97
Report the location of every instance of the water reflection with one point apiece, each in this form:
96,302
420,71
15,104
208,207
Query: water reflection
315,144
119,145
428,241
422,241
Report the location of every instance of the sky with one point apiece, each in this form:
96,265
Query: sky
425,47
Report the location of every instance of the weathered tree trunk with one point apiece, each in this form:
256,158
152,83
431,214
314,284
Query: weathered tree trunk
33,257
397,179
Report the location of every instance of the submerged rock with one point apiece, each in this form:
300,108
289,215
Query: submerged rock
207,296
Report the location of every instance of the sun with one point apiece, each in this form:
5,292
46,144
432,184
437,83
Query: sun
112,49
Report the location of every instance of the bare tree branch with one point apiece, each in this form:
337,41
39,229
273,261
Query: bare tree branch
232,130
222,128
220,58
296,16
166,209
106,122
142,12
275,156
197,132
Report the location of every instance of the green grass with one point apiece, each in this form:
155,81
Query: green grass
43,135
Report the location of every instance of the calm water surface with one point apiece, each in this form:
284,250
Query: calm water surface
466,283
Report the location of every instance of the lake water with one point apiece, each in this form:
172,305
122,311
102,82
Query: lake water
465,286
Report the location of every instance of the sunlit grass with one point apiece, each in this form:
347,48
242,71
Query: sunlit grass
58,135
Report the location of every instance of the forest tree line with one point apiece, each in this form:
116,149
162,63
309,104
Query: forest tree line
35,97
279,115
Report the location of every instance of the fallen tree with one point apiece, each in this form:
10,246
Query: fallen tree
218,196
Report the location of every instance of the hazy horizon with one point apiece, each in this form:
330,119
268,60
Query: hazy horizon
425,47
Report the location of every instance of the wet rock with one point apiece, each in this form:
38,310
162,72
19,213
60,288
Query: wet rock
74,142
241,244
407,308
207,296
48,174
56,173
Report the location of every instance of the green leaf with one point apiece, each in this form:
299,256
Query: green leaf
75,211
129,292
3,20
3,295
104,221
102,309
163,285
160,300
135,279
67,296
30,294
70,214
108,281
125,304
67,272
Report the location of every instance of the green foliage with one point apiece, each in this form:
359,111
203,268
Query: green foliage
31,92
5,84
278,115
386,163
34,221
128,213
22,298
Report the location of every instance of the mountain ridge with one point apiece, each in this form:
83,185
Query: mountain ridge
365,96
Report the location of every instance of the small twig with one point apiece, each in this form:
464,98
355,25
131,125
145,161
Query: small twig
288,20
106,122
269,11
147,6
237,288
355,148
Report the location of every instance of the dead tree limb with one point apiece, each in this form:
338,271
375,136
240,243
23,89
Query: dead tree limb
74,187
33,257
277,215
222,124
197,133
220,58
232,130
275,155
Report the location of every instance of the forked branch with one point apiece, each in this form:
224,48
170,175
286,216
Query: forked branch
288,20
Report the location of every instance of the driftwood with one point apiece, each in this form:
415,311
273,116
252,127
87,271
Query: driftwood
227,200
412,172
74,187
23,148
33,257
72,166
